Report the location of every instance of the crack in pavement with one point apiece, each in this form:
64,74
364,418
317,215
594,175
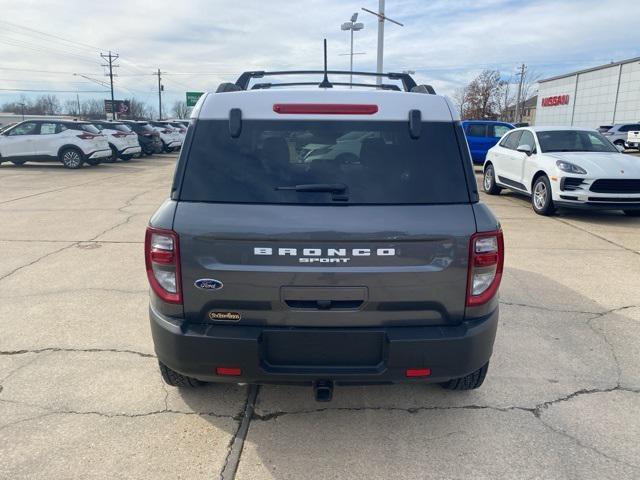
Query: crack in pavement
76,290
62,188
80,350
535,411
17,269
236,444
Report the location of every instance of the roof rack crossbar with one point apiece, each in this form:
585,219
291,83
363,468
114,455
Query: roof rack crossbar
243,80
384,86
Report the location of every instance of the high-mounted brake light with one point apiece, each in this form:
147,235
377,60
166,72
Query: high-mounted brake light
325,108
162,258
486,261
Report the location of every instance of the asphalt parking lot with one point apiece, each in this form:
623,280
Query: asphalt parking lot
81,397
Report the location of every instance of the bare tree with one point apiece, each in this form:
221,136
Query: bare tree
461,99
505,99
180,109
484,91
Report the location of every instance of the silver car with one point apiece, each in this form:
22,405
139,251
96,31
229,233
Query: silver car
618,133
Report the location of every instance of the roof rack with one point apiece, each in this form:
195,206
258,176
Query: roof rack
408,82
384,86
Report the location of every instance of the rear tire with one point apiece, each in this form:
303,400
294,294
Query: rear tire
632,213
541,200
18,162
114,154
71,158
126,158
175,379
489,181
619,143
470,382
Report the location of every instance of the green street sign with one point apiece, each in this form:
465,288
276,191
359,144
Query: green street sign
192,98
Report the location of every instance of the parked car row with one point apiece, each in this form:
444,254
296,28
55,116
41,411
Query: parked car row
75,143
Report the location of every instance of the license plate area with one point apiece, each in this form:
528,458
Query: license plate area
307,350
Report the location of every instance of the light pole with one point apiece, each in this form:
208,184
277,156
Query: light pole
381,19
353,27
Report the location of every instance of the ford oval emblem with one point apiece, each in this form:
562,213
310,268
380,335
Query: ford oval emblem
208,284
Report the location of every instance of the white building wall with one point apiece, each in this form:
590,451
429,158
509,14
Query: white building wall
592,102
628,108
557,114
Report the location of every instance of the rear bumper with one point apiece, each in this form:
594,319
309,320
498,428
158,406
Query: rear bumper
130,150
99,154
347,355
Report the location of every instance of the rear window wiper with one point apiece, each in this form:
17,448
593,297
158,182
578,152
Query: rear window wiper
316,187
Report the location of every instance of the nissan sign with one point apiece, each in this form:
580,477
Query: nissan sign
555,100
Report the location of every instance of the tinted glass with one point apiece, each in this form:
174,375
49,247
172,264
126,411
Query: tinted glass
477,130
47,128
499,130
121,127
381,164
89,128
28,128
511,140
574,141
527,139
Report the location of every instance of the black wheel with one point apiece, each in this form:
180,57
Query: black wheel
126,158
619,143
71,158
114,154
632,213
470,382
489,181
165,148
175,379
18,162
541,200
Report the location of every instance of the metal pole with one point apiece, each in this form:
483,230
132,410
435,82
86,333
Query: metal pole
78,100
113,103
519,93
380,40
159,97
351,59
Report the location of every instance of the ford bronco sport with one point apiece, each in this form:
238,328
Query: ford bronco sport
376,265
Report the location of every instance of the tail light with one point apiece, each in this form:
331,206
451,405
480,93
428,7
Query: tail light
119,135
87,136
486,261
146,134
167,131
162,257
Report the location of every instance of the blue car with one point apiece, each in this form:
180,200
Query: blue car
482,135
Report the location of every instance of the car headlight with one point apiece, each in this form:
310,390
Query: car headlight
570,167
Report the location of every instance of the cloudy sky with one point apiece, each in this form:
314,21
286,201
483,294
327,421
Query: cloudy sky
200,43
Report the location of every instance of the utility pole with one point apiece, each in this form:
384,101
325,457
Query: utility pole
78,100
381,19
160,89
523,69
110,59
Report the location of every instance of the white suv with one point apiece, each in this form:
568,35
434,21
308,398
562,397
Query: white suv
72,143
122,140
564,167
170,136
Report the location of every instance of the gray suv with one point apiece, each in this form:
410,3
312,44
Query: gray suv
376,265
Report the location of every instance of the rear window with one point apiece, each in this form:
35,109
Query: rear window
89,128
121,127
372,162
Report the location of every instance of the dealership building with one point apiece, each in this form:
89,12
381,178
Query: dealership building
597,96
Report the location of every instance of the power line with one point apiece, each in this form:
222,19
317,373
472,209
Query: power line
51,91
74,42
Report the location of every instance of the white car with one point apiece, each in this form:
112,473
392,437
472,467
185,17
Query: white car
564,166
170,136
122,140
72,143
633,139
